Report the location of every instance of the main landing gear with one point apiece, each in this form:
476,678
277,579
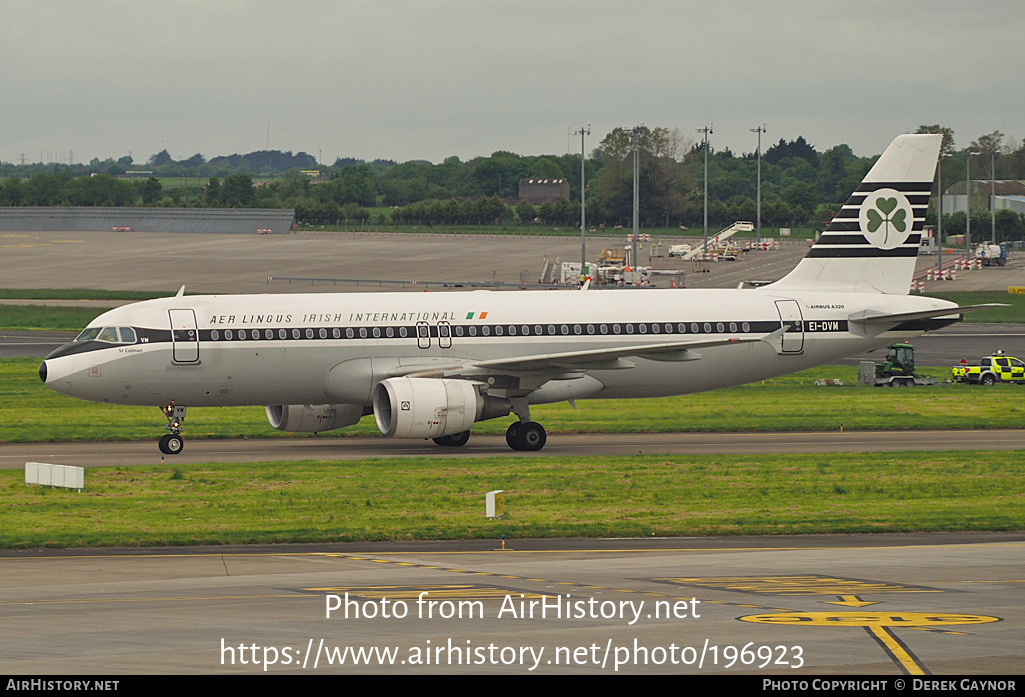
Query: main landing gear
522,435
454,441
172,443
526,435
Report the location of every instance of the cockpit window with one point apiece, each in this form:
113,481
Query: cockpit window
88,334
112,335
108,334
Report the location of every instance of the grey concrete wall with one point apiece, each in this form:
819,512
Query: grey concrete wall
227,220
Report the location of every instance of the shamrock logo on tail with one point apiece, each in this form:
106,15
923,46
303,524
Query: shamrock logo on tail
898,221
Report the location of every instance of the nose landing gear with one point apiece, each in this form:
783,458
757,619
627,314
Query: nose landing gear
172,443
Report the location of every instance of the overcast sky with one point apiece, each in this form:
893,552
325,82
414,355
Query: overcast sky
426,79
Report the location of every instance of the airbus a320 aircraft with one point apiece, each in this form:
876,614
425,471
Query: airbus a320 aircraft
430,365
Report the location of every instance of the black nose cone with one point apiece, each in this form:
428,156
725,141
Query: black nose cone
42,371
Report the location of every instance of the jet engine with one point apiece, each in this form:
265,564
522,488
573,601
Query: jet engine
431,407
313,418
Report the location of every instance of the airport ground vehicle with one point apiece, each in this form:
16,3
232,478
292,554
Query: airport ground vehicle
998,367
897,371
991,254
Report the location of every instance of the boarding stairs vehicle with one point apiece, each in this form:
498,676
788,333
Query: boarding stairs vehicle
720,238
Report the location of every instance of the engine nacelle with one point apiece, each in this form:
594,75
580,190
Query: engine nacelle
313,418
431,408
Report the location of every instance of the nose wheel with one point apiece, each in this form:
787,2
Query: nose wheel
172,443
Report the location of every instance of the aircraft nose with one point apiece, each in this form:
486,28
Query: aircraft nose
42,371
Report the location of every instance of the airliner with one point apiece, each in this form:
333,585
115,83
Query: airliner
430,365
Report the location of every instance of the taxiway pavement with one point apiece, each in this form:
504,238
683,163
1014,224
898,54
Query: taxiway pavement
123,454
891,606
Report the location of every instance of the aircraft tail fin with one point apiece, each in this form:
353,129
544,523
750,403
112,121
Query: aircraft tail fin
872,243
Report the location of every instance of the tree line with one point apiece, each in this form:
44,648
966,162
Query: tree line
800,185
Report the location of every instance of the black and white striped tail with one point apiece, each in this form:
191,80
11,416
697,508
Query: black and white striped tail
872,243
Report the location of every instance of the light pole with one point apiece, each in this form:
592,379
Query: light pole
939,214
968,203
993,195
637,188
758,224
583,217
707,130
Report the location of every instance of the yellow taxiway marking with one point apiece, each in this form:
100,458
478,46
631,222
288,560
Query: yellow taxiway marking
811,584
894,618
448,592
896,650
879,626
852,601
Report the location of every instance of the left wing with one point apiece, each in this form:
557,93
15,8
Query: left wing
594,359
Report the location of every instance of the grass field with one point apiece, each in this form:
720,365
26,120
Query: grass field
442,498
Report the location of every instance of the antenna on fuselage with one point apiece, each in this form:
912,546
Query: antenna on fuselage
181,291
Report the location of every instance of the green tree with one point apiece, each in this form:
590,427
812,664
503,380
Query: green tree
160,159
237,190
525,211
150,190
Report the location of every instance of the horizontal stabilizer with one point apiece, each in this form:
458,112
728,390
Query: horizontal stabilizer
869,318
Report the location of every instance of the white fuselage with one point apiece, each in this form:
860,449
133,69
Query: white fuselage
331,348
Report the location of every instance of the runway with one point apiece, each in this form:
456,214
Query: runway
880,605
123,454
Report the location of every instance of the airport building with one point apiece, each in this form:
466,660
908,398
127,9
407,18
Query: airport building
537,191
1008,193
137,219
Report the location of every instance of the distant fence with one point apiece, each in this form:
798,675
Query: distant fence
81,219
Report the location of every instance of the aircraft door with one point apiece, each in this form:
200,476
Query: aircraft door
444,335
423,335
790,317
184,336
